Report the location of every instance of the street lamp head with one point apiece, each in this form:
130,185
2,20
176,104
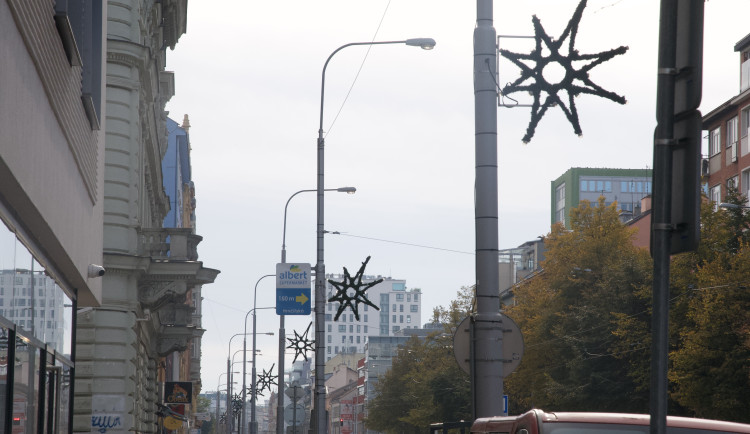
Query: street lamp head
348,190
424,43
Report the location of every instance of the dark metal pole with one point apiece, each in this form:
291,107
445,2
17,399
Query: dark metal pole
661,224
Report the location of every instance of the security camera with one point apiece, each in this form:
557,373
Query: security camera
96,270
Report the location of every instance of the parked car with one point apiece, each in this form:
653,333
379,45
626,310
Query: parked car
539,422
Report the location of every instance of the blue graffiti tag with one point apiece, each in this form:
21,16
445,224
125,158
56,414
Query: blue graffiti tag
103,423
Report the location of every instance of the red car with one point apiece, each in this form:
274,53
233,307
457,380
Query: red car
538,422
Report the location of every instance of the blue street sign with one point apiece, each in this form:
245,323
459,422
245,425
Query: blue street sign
505,405
293,289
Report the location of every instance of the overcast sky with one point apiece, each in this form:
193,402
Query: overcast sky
248,75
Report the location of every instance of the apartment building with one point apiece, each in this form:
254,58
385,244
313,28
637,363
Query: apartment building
400,308
625,186
728,163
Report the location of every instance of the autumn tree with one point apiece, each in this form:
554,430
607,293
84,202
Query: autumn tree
425,384
568,315
710,371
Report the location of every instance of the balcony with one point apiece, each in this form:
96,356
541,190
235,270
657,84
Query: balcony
176,244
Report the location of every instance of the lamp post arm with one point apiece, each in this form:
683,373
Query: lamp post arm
323,80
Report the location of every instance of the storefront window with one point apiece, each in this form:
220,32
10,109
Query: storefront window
3,373
31,297
25,386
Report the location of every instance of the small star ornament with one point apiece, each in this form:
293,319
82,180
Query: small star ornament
575,81
265,381
301,344
358,291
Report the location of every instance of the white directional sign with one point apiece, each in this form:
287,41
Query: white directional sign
293,289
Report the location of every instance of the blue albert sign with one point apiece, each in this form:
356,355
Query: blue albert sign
293,289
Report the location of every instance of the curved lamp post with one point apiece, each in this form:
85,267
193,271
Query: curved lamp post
320,270
282,331
244,364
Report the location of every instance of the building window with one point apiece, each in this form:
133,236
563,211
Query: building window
336,350
731,131
744,121
79,23
330,307
384,330
358,328
408,297
394,318
343,339
342,328
396,329
330,339
416,297
414,308
400,286
408,319
714,142
560,203
329,317
400,307
401,319
394,308
351,329
351,317
715,194
365,318
365,329
733,182
358,339
399,297
329,328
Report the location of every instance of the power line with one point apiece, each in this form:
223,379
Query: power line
399,242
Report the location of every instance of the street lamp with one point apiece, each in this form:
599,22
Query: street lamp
282,331
320,270
229,385
244,364
218,395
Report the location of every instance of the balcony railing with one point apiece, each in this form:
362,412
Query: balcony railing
179,244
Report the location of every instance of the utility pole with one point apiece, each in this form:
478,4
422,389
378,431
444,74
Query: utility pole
487,354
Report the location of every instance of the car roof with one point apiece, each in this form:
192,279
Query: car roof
612,418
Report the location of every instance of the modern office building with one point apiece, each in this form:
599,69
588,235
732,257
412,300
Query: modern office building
399,308
625,186
727,126
51,202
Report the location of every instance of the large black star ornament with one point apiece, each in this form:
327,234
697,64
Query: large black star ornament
265,381
358,295
301,344
568,83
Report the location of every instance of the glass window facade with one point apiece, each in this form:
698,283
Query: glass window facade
36,331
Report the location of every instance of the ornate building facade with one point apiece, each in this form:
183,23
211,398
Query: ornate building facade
128,346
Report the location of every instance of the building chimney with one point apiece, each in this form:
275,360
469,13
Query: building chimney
645,203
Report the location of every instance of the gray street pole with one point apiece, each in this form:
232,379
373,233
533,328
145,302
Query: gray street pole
320,269
244,364
282,331
488,356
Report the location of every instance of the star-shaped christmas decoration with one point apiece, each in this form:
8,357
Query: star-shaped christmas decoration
301,344
358,296
568,83
265,381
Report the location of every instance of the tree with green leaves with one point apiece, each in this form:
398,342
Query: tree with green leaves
425,384
568,315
